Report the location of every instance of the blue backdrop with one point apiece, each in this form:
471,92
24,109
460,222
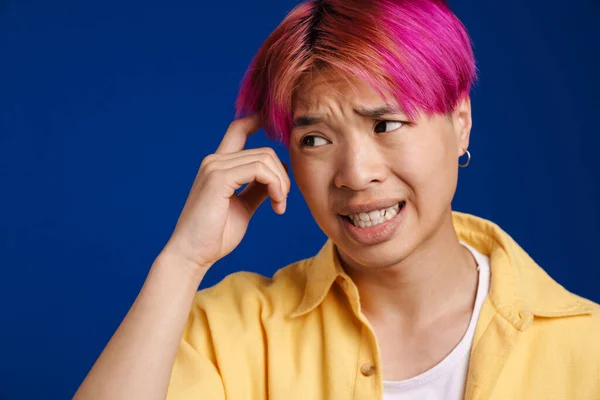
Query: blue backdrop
108,107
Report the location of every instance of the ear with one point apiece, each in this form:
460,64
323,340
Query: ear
462,123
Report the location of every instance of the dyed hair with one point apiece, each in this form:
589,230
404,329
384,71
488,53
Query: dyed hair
416,50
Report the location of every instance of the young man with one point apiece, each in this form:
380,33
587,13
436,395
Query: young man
407,299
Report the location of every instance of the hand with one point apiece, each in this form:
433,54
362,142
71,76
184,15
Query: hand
214,218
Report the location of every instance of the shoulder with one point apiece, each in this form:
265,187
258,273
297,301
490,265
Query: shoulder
575,333
589,322
244,292
226,329
591,306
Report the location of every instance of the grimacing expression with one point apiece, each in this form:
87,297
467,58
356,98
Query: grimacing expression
349,154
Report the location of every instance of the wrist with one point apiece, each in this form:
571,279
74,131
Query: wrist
174,263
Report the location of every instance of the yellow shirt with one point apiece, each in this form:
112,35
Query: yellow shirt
301,334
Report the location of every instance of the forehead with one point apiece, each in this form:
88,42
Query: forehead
327,88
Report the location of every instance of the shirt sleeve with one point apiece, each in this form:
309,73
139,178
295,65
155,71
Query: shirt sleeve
222,350
195,373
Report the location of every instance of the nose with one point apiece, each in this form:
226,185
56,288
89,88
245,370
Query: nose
360,165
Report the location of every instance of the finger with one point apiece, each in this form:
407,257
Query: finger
237,134
258,150
259,172
255,171
253,195
287,174
268,157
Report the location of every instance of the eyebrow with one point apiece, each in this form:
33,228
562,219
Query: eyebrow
307,120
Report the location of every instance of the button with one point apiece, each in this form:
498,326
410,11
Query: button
367,369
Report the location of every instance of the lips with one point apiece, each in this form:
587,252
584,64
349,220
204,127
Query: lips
376,217
357,208
379,232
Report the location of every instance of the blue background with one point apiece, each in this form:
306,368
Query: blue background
107,109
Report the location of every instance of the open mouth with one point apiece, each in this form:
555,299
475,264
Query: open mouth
375,217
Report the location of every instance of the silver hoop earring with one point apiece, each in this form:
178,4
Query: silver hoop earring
468,160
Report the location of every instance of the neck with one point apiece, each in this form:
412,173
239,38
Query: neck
439,277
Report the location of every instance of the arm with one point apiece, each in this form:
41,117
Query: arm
137,362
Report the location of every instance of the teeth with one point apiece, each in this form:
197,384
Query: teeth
374,215
372,218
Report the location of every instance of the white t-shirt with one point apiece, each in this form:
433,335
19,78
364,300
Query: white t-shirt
447,379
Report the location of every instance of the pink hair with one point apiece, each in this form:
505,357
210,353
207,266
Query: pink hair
416,50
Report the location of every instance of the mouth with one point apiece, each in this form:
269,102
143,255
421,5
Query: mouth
375,217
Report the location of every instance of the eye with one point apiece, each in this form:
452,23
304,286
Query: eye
313,141
391,125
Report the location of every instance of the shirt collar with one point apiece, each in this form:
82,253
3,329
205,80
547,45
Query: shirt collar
320,273
519,288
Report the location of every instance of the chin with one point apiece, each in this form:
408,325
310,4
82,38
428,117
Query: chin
382,255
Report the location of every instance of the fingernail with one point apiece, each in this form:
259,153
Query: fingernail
283,205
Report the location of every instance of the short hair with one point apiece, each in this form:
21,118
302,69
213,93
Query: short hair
416,50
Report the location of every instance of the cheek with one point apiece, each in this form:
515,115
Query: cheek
426,166
439,177
311,178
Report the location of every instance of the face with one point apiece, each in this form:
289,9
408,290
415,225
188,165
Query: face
377,183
